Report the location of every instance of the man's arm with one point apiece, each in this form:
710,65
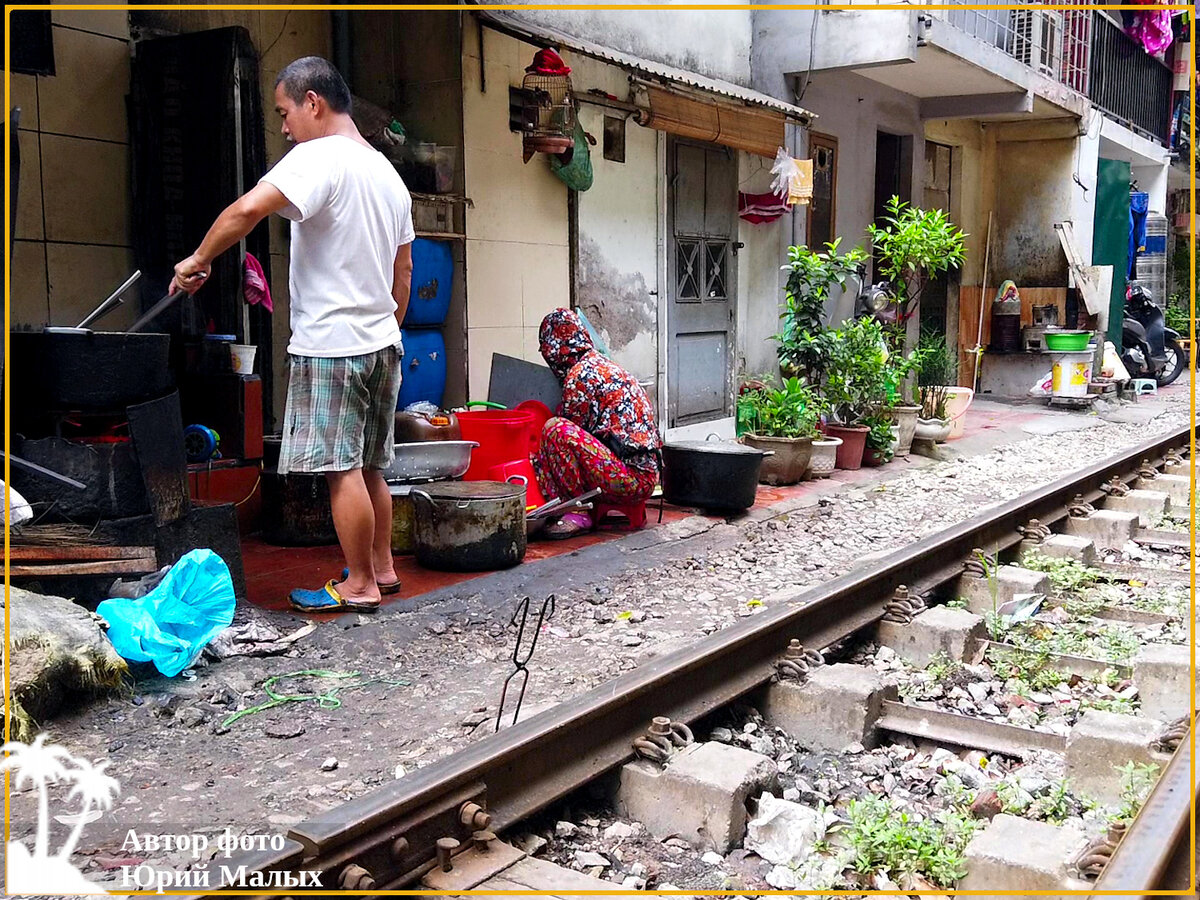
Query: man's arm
402,280
234,223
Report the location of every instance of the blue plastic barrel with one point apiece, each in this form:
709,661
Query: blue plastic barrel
423,367
433,274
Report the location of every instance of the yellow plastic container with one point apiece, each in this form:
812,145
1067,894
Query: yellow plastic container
1070,374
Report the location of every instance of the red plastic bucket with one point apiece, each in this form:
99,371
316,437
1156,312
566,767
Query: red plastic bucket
519,471
503,435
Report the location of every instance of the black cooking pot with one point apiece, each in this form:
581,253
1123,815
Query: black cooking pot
88,370
711,474
469,526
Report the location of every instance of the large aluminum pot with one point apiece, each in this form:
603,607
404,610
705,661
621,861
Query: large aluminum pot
711,474
469,526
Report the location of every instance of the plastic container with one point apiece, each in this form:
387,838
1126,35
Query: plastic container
423,368
432,277
1067,340
521,472
242,358
503,435
958,400
1070,374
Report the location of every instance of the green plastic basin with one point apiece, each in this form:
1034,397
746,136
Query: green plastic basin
1067,340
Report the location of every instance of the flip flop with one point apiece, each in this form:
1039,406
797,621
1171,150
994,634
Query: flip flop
392,587
570,525
327,599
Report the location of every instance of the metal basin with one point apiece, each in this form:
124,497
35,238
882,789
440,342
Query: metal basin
430,461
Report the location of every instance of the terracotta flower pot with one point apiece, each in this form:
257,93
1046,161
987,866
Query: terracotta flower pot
824,457
905,418
790,461
854,442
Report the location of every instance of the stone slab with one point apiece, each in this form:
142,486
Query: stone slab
1015,855
539,875
1108,529
1007,582
1063,546
954,633
699,796
1177,487
1101,741
838,706
1149,506
1162,673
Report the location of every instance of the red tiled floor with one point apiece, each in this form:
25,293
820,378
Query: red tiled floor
271,572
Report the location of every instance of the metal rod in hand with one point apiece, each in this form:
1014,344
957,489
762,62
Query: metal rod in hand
521,662
156,310
112,300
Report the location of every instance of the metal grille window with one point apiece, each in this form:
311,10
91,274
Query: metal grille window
687,269
717,255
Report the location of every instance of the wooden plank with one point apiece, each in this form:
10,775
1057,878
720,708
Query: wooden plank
968,319
77,552
100,567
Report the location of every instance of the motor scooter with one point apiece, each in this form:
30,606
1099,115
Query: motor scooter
1149,348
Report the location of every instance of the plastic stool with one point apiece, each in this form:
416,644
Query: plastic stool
1145,386
635,513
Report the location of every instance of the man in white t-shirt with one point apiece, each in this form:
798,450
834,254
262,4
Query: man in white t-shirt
350,273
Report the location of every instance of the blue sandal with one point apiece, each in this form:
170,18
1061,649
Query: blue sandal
327,599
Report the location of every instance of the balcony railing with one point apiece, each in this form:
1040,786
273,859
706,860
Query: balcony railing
1054,42
1128,83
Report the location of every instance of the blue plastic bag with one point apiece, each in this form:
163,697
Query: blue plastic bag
173,623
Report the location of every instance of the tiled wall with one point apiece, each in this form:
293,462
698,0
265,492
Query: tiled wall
73,234
518,261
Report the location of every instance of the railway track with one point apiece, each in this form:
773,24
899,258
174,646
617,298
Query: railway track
436,827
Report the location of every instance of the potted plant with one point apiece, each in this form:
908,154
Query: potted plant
938,372
855,385
803,343
913,246
879,442
782,420
903,415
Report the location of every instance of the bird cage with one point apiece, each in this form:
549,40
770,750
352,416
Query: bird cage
549,108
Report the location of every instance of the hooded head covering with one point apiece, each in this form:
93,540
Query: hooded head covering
564,341
598,395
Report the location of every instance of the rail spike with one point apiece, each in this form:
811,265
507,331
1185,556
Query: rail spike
1080,508
1034,531
1147,471
1172,735
797,662
1092,859
978,564
1116,487
662,739
903,607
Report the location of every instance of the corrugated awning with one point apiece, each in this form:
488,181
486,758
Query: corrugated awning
522,29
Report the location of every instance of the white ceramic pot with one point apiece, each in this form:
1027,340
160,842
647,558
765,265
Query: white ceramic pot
906,419
823,460
932,430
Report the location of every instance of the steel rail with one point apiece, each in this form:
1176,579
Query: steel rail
525,768
1149,857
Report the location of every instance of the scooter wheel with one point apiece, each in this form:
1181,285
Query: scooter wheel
1177,361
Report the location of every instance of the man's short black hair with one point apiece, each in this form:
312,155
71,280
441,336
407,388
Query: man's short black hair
316,74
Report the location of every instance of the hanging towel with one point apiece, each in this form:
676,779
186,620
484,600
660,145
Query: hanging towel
254,284
1139,206
760,208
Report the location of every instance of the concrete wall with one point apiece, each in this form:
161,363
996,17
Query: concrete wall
73,239
517,253
715,43
842,39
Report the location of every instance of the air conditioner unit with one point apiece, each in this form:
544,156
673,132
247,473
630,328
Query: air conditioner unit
1037,37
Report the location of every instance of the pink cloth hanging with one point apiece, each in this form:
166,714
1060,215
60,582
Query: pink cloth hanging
254,284
760,208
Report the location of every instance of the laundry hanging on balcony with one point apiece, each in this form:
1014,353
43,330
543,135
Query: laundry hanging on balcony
1150,28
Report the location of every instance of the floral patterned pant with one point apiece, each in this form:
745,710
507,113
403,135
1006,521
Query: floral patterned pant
571,462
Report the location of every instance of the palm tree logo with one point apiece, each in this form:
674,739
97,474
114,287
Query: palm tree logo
40,765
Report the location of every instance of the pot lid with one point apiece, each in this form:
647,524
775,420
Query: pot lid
474,490
717,447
